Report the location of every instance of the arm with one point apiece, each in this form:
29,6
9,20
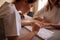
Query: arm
47,23
29,36
25,23
42,20
55,26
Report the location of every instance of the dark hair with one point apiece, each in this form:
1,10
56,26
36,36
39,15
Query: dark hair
31,1
57,3
50,6
17,0
28,1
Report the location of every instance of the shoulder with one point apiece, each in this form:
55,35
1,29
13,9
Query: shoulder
7,7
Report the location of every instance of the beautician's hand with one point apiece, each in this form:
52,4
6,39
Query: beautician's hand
36,27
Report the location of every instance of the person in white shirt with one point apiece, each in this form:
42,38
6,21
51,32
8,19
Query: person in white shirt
49,15
12,20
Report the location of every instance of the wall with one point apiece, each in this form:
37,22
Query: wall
41,4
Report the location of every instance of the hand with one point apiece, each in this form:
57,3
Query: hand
36,27
47,24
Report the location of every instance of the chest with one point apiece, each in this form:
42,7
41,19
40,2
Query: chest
53,15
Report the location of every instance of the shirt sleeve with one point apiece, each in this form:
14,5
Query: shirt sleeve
5,9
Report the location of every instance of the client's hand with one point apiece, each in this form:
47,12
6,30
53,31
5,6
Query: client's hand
36,27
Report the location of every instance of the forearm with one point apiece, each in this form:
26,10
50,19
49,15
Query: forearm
29,36
56,25
41,20
25,23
